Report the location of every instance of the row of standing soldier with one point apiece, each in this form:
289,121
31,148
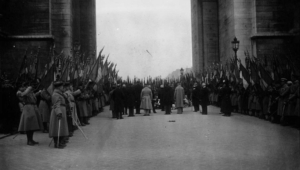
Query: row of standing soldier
42,111
278,103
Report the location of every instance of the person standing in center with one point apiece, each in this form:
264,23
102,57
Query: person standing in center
118,97
138,88
146,100
195,97
204,93
179,96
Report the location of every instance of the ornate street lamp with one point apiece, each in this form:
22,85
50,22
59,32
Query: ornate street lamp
235,46
181,71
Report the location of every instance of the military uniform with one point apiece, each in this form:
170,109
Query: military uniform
30,119
45,108
58,114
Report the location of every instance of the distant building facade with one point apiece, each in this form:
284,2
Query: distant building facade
263,27
27,24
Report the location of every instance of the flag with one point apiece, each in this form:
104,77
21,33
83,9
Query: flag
65,74
254,74
266,78
94,69
49,77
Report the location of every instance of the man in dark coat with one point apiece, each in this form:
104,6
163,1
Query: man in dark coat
226,102
118,98
167,97
204,94
195,97
138,89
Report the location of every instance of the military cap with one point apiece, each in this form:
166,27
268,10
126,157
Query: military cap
58,83
289,82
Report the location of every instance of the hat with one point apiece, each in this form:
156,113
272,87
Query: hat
58,83
289,82
283,79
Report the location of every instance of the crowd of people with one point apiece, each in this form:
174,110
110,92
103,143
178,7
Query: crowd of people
278,103
64,109
57,111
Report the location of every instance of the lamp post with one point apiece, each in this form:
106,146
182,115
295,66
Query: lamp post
235,46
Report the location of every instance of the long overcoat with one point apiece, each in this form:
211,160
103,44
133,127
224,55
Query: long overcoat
82,107
226,106
146,98
167,96
195,95
179,96
30,118
204,93
70,96
59,106
45,106
130,96
118,98
89,102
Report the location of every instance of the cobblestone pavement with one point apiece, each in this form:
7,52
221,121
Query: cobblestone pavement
191,141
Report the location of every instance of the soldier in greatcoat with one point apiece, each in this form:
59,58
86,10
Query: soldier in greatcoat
146,100
45,108
82,106
58,116
283,97
178,97
30,119
292,102
160,96
73,118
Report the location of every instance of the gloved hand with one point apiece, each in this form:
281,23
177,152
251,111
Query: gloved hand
59,115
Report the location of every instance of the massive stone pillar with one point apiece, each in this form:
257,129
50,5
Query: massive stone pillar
29,24
204,34
61,25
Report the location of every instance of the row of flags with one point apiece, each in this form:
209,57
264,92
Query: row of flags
80,69
75,68
255,71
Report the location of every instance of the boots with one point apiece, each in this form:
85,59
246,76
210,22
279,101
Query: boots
30,140
59,145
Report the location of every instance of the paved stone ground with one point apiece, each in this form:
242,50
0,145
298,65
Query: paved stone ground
192,142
